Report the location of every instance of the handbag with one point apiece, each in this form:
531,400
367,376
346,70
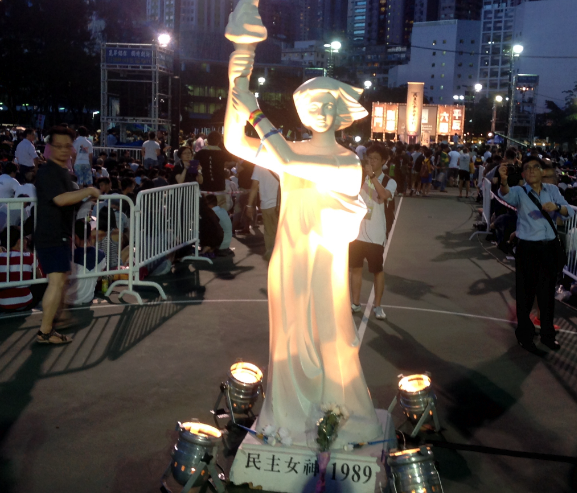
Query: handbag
559,247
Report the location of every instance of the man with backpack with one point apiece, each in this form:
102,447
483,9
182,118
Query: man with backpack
377,192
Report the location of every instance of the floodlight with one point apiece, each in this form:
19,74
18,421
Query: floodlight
194,457
368,84
499,99
241,390
414,470
461,98
478,87
417,400
164,39
517,49
357,139
261,80
336,45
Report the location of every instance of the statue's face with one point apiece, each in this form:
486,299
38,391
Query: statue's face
321,112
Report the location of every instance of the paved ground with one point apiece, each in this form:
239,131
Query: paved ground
98,415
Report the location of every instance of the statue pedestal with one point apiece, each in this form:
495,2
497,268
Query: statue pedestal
295,470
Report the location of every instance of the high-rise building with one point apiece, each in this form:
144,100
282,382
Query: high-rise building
460,9
280,18
548,39
322,20
445,57
202,24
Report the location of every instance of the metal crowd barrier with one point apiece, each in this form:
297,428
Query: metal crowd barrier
571,246
163,221
486,209
116,204
135,152
167,220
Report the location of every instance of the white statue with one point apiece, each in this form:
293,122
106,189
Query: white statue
313,340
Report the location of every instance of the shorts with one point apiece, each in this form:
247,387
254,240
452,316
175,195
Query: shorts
55,259
453,173
427,179
83,172
464,175
361,250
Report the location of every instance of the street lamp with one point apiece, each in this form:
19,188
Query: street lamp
515,52
164,39
498,99
368,84
456,97
478,87
261,81
333,47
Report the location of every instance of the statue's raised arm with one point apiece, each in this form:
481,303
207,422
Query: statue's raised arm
324,105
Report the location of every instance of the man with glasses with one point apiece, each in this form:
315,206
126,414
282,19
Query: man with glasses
52,238
536,255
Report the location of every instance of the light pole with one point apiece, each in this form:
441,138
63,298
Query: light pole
516,51
498,99
333,47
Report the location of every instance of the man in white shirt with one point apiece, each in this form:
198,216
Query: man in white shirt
83,159
25,154
454,157
486,156
370,244
8,182
150,151
267,183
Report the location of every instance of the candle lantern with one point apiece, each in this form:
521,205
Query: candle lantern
241,391
194,457
414,471
417,400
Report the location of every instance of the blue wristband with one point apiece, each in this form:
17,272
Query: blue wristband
266,136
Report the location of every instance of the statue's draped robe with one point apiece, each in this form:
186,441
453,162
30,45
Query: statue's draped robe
314,347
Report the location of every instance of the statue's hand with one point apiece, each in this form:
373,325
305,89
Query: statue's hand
240,65
244,103
245,24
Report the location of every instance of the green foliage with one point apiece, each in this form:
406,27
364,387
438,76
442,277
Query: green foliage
328,427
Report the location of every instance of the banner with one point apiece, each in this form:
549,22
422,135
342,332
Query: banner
385,118
414,108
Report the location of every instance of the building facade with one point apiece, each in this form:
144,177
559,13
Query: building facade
548,37
444,55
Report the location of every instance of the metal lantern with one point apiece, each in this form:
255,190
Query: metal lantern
417,400
414,471
194,457
241,390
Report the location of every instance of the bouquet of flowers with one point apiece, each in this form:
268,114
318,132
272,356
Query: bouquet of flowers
327,432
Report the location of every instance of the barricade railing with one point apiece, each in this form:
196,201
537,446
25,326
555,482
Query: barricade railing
166,220
571,246
104,215
134,152
486,213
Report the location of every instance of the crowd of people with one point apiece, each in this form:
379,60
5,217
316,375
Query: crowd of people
66,175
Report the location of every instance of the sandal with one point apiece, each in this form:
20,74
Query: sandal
52,337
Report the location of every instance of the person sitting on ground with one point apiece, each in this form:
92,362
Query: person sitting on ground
8,182
104,185
160,180
127,186
111,163
225,223
186,170
21,297
110,240
211,233
81,291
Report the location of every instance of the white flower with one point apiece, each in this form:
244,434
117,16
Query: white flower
271,440
349,447
284,433
287,441
269,430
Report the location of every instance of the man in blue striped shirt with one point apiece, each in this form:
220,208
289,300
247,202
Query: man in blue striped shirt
536,255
